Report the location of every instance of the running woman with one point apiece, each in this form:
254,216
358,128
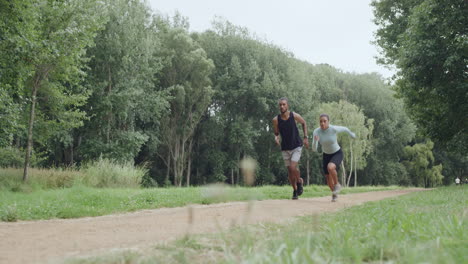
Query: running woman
332,153
284,124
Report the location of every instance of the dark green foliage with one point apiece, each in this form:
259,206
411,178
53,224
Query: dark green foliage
126,103
419,161
454,165
14,158
426,41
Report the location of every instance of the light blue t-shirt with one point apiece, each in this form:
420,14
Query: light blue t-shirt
328,139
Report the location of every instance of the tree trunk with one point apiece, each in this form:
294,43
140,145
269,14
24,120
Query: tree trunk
189,165
67,155
37,80
355,172
72,155
343,173
237,170
322,176
168,167
349,179
181,163
351,164
27,159
109,114
232,176
308,167
175,172
175,156
17,142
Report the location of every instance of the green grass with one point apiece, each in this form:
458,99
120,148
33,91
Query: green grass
422,227
80,201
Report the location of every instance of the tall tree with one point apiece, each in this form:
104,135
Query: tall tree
57,39
393,128
426,41
185,75
126,101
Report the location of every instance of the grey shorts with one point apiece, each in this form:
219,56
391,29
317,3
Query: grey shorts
291,155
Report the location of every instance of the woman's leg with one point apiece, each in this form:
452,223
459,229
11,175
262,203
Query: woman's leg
333,174
329,181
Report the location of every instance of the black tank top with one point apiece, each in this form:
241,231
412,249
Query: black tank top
290,138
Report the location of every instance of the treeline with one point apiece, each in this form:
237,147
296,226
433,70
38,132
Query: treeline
84,79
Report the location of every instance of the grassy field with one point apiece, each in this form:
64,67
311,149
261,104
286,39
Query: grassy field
80,201
100,173
423,227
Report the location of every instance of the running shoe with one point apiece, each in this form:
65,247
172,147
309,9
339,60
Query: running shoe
294,195
300,189
337,189
334,197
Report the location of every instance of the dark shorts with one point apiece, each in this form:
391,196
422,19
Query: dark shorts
335,158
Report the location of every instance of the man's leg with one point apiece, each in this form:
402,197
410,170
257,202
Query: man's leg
297,177
293,169
293,181
300,183
292,174
295,157
287,161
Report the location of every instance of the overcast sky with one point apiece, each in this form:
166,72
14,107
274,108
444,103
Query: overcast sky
337,32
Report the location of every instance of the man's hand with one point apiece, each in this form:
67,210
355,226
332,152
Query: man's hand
306,142
277,140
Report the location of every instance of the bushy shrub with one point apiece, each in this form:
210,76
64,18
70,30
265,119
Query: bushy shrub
14,158
109,173
11,157
148,182
9,214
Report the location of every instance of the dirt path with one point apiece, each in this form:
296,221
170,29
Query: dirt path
51,241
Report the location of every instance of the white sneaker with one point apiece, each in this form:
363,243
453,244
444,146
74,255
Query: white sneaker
334,197
337,189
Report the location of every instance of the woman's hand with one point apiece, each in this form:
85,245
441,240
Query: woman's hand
316,138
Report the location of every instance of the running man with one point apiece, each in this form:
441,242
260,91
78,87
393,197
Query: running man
284,124
332,153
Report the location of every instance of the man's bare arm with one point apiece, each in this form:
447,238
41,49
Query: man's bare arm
301,120
276,130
